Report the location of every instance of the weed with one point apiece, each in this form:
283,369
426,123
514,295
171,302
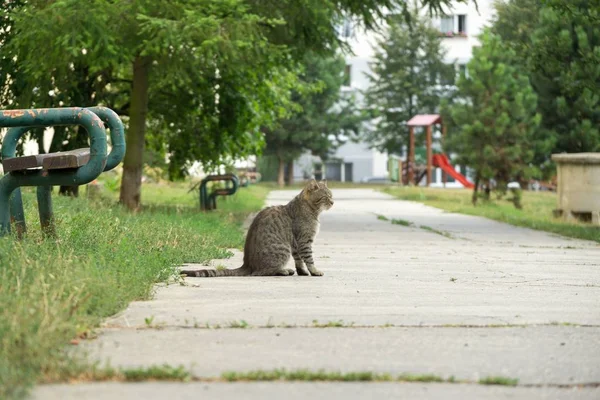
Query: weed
401,222
432,230
382,217
305,375
556,323
239,324
95,373
322,375
452,279
420,378
158,373
148,321
498,380
332,324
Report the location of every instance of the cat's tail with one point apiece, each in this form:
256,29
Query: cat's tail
212,273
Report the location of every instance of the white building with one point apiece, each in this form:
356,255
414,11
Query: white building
459,26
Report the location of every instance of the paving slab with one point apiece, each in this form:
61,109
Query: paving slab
542,355
302,391
380,273
418,300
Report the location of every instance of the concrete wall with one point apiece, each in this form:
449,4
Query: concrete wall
578,182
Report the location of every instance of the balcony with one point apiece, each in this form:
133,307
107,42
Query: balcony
453,34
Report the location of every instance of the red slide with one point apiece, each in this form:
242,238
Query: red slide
441,161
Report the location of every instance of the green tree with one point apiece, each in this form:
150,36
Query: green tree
409,77
152,44
323,114
492,124
211,62
565,72
557,44
515,23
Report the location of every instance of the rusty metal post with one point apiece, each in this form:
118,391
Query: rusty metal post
411,156
429,155
444,175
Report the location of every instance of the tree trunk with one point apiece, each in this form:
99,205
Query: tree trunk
80,140
280,172
290,173
39,137
134,156
475,189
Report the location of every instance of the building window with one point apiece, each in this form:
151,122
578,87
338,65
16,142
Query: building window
447,24
346,28
453,25
462,24
462,69
347,75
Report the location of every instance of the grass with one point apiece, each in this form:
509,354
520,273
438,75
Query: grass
55,291
402,222
306,375
160,373
437,231
170,373
359,376
163,372
499,380
239,324
332,324
536,212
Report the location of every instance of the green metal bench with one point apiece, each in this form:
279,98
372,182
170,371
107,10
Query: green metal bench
209,201
69,168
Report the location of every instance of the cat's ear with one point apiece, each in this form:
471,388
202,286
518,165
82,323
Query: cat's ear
324,182
312,185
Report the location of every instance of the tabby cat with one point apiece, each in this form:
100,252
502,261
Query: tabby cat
279,231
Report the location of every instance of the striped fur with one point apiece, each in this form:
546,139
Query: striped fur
278,232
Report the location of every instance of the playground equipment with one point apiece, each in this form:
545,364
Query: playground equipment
578,186
441,161
76,167
209,202
437,160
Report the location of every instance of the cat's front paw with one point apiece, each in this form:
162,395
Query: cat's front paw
316,272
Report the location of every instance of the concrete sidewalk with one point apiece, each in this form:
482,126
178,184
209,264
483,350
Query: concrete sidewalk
449,295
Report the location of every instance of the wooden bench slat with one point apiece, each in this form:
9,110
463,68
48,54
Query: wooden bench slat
61,160
66,159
